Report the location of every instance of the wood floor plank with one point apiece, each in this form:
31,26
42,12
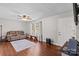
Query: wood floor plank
40,49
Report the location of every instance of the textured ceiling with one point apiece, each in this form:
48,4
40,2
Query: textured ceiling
35,10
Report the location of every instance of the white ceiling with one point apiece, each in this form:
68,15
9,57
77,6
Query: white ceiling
35,10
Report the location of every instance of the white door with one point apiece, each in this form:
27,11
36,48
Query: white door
37,30
33,29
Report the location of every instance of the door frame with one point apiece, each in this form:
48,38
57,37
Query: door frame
34,32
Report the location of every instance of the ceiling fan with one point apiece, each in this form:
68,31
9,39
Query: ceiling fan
22,16
25,17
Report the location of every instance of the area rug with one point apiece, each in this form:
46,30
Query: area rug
20,45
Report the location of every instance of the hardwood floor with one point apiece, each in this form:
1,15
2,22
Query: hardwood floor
40,49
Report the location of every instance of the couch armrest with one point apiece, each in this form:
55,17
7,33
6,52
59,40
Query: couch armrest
9,35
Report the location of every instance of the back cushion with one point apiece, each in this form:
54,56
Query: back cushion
20,32
13,33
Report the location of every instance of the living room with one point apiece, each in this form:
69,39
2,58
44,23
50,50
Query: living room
54,21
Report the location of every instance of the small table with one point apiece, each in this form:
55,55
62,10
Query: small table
31,37
34,38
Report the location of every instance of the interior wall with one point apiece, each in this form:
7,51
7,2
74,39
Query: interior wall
77,32
14,25
66,29
49,29
59,28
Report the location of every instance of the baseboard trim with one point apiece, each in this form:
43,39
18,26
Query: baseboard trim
53,44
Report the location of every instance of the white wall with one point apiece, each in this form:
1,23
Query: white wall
11,25
66,29
49,27
77,32
59,28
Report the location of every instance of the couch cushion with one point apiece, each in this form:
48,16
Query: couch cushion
20,32
12,33
15,37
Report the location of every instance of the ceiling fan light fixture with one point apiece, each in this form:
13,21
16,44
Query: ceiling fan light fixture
25,18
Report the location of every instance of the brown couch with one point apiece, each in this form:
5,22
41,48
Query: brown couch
15,35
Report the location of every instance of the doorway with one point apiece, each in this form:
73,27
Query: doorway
37,30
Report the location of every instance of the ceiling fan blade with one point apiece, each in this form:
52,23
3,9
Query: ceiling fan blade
19,15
